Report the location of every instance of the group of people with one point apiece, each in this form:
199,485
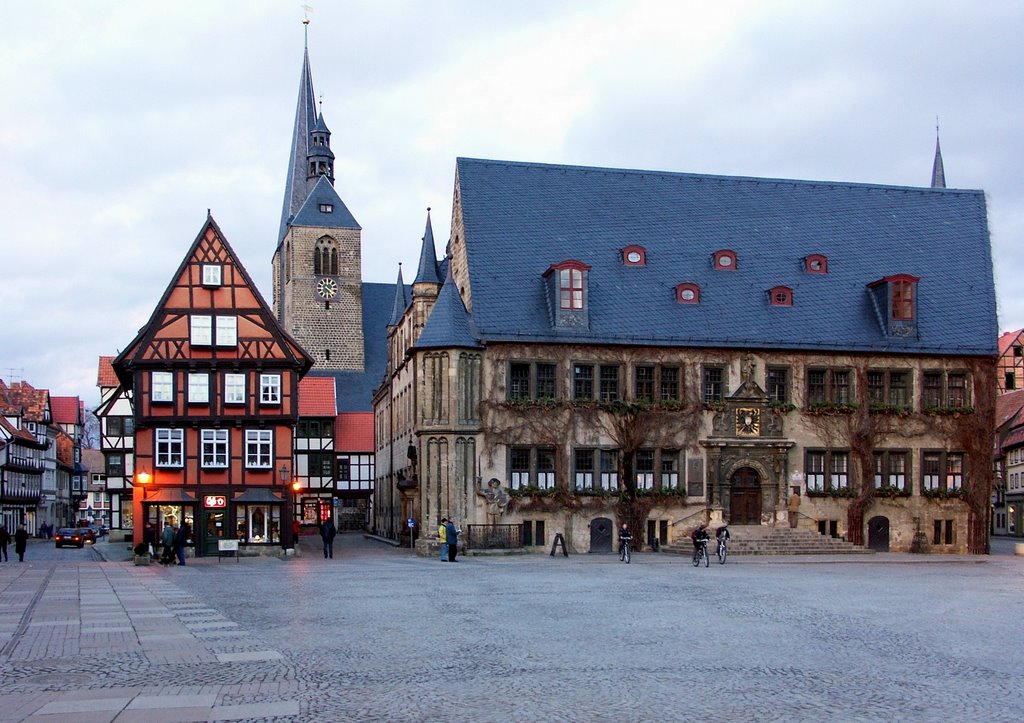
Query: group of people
448,536
172,542
20,542
699,536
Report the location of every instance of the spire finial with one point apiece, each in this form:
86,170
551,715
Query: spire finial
306,10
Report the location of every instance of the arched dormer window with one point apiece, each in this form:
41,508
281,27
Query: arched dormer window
634,255
688,293
895,300
902,288
816,264
780,296
571,283
724,260
325,258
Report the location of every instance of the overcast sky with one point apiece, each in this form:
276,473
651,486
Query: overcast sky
122,122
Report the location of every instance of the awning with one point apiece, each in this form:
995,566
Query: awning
170,496
259,495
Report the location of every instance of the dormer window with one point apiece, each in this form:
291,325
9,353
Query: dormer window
903,298
816,264
725,260
566,285
780,296
895,300
326,208
688,294
634,256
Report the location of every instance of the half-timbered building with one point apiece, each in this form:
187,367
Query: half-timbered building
215,381
117,442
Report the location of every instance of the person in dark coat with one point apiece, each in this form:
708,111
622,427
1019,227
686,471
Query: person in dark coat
149,536
453,540
327,532
20,542
5,540
181,536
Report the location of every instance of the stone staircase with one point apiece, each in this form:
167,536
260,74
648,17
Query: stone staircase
766,540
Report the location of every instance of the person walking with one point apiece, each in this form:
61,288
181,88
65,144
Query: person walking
20,542
442,537
180,538
452,538
327,532
167,543
5,540
794,508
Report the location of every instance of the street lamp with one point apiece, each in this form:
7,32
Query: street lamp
142,479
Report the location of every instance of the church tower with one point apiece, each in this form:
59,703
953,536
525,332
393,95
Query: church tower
317,263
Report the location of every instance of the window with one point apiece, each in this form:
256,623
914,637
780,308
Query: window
669,388
570,289
688,293
816,264
234,389
120,426
227,331
270,388
828,386
582,382
519,466
214,448
583,465
321,464
609,469
355,471
1010,380
528,380
827,470
325,257
954,471
258,448
211,275
170,447
163,387
902,299
532,467
634,256
609,383
546,468
931,390
545,381
644,463
890,470
777,381
326,207
890,388
780,296
724,260
669,469
643,383
201,330
198,388
713,383
115,464
313,429
942,532
519,381
944,389
258,524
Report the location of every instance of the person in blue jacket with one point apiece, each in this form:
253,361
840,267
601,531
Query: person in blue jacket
453,540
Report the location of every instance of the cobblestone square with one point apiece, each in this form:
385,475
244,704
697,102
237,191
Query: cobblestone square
378,634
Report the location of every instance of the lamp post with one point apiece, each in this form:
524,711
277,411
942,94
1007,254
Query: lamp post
141,480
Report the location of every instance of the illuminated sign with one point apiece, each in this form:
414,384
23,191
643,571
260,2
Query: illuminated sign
215,501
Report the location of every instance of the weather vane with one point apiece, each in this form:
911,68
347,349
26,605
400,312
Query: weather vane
306,10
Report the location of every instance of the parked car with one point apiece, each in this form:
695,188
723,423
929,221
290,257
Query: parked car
69,536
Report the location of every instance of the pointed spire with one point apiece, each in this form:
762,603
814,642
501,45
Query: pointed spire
296,188
938,173
428,273
401,302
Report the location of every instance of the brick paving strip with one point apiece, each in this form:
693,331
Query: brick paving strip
72,621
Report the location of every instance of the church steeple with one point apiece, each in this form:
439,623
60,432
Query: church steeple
297,183
938,173
321,158
427,272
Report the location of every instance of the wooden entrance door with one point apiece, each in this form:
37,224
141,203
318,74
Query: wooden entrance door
745,498
601,535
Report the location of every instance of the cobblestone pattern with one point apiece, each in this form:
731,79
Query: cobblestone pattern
379,634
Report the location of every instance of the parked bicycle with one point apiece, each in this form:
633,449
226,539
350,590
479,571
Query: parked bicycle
701,554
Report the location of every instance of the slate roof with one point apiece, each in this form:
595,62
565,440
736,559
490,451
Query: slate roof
105,376
401,302
427,272
355,389
449,324
295,187
317,397
519,218
311,215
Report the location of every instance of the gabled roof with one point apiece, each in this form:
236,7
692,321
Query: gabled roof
1008,406
353,432
317,397
9,432
105,376
1007,340
449,324
34,402
519,218
323,193
66,410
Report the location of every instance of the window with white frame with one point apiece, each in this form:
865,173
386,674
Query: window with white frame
211,275
198,388
890,470
840,470
227,331
815,471
258,448
170,447
234,389
546,468
270,388
201,330
163,387
931,470
644,469
583,469
609,469
214,448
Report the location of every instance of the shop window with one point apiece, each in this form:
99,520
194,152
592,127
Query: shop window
258,524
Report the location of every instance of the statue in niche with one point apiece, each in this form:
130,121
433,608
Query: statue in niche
747,369
497,500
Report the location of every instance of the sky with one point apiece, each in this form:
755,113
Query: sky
123,121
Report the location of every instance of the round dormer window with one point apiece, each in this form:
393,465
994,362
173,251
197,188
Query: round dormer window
687,295
724,260
633,257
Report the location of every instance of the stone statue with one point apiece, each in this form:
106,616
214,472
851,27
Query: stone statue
748,368
497,500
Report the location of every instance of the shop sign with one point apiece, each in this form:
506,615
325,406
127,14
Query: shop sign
215,501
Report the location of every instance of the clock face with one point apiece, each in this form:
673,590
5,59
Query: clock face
748,422
327,288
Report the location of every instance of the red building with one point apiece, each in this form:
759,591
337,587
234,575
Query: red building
215,384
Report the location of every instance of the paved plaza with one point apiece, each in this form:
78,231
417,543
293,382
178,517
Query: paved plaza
378,634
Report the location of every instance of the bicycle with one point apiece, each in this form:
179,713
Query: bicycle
701,553
624,551
723,550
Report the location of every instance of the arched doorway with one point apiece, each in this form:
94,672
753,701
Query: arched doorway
878,534
745,497
600,535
